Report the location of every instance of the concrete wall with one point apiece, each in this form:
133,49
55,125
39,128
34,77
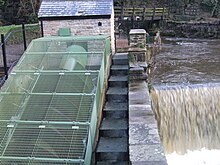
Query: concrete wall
81,27
145,147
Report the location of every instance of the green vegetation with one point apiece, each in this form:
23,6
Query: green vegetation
2,3
208,8
14,33
131,57
17,12
25,11
6,29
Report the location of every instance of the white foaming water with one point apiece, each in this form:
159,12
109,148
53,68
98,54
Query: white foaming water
188,118
197,157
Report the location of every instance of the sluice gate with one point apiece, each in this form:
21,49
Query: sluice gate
49,105
188,116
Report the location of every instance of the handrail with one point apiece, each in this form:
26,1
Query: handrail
140,11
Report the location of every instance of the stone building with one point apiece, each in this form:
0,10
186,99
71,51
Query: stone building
82,17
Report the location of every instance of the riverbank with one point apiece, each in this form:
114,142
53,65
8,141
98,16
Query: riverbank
192,29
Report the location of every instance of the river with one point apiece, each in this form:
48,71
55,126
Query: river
187,61
186,100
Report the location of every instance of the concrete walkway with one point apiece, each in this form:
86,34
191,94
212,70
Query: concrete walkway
144,142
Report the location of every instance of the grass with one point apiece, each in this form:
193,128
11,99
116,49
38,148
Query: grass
6,29
14,34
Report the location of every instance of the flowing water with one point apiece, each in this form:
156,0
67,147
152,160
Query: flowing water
186,100
188,61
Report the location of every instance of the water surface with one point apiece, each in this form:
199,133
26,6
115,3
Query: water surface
187,61
188,114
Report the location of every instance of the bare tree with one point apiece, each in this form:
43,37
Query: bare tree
28,9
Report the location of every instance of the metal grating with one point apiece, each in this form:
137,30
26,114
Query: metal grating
58,142
57,61
49,102
47,108
51,82
35,162
66,139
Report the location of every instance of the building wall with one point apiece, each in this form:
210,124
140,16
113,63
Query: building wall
81,27
113,31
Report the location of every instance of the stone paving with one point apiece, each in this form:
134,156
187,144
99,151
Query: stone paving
144,142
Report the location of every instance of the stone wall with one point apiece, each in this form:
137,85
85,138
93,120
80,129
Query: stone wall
145,147
137,39
137,54
81,27
137,46
200,29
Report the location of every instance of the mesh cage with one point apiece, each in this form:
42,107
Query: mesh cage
50,100
14,41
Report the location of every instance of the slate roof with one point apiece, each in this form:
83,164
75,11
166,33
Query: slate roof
62,8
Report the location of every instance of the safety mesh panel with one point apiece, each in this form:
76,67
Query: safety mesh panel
50,100
34,162
47,83
43,141
61,61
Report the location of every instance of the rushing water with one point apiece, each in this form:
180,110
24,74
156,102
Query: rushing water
189,116
188,61
186,100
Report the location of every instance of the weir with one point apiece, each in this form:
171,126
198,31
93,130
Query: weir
187,116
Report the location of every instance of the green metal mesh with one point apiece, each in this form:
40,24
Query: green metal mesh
50,103
51,82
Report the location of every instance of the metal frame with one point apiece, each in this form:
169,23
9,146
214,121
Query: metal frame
38,106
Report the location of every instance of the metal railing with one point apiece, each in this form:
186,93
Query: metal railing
14,43
140,13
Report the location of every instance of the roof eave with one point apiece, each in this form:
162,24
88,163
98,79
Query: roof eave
42,18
